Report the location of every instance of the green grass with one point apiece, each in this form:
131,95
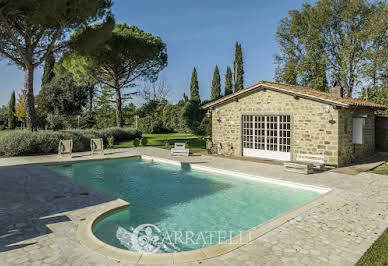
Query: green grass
381,170
377,254
195,143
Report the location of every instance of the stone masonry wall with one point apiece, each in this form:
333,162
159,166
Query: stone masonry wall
314,125
348,152
382,133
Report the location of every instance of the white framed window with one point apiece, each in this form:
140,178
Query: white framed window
358,130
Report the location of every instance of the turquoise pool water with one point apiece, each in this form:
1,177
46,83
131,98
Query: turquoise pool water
184,209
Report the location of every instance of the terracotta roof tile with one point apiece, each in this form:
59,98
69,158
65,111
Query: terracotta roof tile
298,90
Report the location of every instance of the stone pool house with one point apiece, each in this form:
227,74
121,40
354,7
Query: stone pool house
284,122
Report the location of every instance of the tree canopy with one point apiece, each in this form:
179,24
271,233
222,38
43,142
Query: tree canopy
228,81
344,41
11,112
123,56
194,87
238,65
216,85
31,30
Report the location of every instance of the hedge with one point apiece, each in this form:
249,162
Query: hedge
30,143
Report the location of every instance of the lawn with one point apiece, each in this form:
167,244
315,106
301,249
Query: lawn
194,143
377,254
381,170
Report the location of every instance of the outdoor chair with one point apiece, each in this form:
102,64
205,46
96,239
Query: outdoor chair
180,149
65,147
97,145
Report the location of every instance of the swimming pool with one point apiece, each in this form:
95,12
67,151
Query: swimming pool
177,209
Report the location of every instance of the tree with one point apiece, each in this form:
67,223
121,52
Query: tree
333,41
31,30
129,54
11,112
20,109
228,81
216,85
48,70
3,116
238,65
155,91
63,96
194,88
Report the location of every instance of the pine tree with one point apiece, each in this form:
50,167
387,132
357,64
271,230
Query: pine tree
48,72
11,112
216,85
238,68
228,81
194,88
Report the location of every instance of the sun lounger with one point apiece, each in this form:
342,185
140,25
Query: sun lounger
180,149
97,145
65,147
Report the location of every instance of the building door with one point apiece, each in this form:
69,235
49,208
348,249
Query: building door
267,136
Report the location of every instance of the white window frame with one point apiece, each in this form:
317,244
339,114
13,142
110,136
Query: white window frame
277,136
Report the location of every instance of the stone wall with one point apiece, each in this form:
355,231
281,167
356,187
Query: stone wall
382,133
314,124
349,152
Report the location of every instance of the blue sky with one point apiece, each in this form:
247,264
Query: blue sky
197,33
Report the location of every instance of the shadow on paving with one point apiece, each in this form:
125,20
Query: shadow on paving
29,193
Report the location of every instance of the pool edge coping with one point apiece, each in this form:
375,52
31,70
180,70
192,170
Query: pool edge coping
87,238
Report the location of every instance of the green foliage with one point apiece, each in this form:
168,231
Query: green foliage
4,115
330,41
30,30
48,71
216,85
192,116
19,143
55,121
238,66
63,96
144,141
194,88
206,126
129,53
228,81
11,112
111,141
136,142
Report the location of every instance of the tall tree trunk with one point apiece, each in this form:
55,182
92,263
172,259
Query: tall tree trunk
91,95
119,113
29,96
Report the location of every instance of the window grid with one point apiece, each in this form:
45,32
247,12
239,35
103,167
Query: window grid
270,133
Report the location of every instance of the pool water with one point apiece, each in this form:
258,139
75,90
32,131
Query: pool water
184,209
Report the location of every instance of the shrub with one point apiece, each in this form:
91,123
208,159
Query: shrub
144,141
136,142
29,143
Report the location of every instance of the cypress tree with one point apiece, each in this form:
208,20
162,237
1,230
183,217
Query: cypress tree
238,68
48,72
228,81
216,85
194,88
11,112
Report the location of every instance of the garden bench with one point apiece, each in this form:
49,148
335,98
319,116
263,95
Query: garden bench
65,147
180,149
97,145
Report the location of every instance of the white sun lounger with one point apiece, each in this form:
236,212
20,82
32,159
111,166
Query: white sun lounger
180,149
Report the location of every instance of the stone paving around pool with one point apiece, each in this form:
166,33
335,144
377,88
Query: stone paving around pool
40,213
